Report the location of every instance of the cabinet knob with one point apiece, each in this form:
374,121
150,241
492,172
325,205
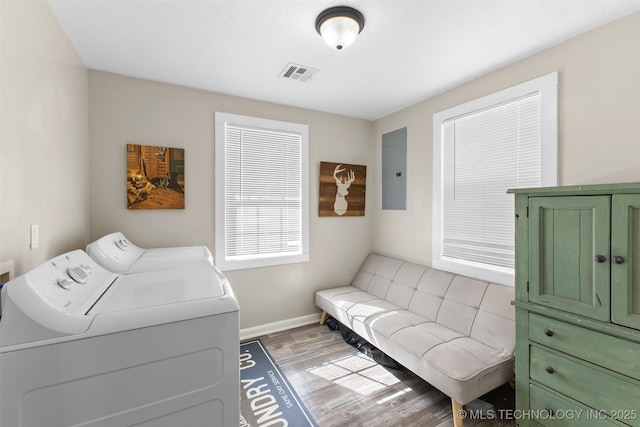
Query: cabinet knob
600,258
618,259
549,369
548,332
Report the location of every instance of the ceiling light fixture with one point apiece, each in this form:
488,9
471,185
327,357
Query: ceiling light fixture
339,26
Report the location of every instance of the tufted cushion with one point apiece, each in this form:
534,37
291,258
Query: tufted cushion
460,305
392,321
409,274
371,263
388,268
495,321
430,293
362,280
379,286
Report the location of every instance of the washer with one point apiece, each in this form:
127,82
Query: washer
116,253
83,346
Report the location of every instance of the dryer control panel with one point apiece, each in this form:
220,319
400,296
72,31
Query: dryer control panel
70,283
114,252
52,300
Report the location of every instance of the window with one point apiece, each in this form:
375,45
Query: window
262,201
481,149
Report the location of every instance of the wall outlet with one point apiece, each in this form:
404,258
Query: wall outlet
34,242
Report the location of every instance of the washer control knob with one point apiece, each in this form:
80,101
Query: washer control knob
65,283
79,274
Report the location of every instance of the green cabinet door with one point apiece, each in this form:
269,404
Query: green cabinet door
625,267
569,254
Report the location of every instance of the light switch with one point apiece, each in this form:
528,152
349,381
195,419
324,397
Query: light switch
34,242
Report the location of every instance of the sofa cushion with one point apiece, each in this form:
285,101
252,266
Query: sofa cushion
379,286
400,294
345,299
425,304
463,357
430,292
371,263
362,280
466,291
388,268
404,284
409,274
495,322
328,294
363,310
423,337
461,303
392,321
436,282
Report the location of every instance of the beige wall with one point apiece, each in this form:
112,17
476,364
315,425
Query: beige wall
43,136
127,110
599,126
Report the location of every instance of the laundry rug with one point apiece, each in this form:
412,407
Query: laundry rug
267,398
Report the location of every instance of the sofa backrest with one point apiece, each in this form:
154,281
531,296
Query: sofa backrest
495,323
430,293
471,307
460,304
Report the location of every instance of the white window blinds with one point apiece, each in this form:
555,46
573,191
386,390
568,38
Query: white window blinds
482,148
484,154
262,193
262,186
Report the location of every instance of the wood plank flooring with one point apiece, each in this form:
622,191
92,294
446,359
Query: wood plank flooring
342,387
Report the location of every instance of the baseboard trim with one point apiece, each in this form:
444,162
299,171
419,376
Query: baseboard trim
281,325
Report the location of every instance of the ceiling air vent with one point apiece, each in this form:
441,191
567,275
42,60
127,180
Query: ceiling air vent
297,72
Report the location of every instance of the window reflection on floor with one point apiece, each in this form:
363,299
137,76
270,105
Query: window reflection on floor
358,373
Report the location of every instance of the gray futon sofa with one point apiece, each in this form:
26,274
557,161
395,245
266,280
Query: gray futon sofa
456,333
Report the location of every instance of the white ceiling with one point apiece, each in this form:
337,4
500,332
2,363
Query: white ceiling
407,52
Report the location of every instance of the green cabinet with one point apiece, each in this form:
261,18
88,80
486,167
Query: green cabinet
568,235
578,305
625,250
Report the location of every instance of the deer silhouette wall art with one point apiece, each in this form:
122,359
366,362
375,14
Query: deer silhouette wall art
342,189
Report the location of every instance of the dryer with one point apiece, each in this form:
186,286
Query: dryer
116,253
80,345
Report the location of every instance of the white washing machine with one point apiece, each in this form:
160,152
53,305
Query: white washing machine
116,253
83,346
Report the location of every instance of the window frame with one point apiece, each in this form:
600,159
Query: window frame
547,86
221,261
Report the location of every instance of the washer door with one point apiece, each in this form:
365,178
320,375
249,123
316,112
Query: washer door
134,291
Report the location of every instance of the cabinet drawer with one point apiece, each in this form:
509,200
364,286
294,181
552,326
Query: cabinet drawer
587,384
604,350
552,410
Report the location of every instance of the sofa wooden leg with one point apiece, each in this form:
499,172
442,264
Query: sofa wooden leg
458,418
323,317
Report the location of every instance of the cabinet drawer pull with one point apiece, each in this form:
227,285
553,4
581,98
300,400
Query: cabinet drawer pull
549,369
600,258
548,332
618,259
